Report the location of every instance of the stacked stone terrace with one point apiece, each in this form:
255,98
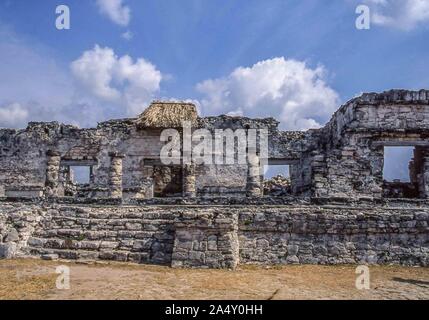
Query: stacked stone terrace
221,236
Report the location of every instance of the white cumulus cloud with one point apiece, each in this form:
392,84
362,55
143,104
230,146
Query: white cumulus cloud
128,35
401,14
116,11
13,115
119,80
289,90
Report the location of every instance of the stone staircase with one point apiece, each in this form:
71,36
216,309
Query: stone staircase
132,234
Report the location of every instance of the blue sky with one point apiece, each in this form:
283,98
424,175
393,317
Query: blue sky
296,60
191,41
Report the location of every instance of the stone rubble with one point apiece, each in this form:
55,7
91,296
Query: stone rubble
277,186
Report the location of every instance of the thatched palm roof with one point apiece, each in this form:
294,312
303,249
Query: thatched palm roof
167,115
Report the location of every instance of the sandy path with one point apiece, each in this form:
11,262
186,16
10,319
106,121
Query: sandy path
35,279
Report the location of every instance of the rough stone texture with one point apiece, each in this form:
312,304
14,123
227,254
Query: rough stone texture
189,181
335,236
52,173
133,234
115,176
351,163
254,179
222,236
8,250
206,240
277,186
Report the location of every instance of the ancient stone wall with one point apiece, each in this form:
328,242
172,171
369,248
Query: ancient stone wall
206,239
351,154
343,159
136,234
219,236
334,236
33,161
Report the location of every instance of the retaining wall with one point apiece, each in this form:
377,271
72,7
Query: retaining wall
217,236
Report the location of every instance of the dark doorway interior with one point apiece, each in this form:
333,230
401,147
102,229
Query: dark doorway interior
168,181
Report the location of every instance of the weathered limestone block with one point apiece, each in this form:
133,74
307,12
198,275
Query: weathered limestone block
115,175
52,173
50,257
189,181
143,191
12,236
29,192
8,250
206,240
254,180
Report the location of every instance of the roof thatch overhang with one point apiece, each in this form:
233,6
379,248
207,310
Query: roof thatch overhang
161,115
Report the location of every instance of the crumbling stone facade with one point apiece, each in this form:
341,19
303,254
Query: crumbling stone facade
343,159
116,214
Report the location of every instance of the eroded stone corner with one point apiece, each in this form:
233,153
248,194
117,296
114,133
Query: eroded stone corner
206,240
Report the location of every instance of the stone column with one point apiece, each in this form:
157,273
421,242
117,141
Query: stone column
254,181
149,181
189,187
115,175
425,178
52,173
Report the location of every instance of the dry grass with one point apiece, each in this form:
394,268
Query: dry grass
26,279
167,115
127,281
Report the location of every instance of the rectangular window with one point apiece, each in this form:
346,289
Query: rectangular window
80,174
277,180
271,171
396,163
400,172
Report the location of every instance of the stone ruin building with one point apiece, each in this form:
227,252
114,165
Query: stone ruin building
133,207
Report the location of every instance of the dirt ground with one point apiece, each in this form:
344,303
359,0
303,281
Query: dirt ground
36,279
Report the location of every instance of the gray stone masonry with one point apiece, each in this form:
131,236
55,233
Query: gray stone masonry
206,240
189,181
220,236
115,175
52,173
254,179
